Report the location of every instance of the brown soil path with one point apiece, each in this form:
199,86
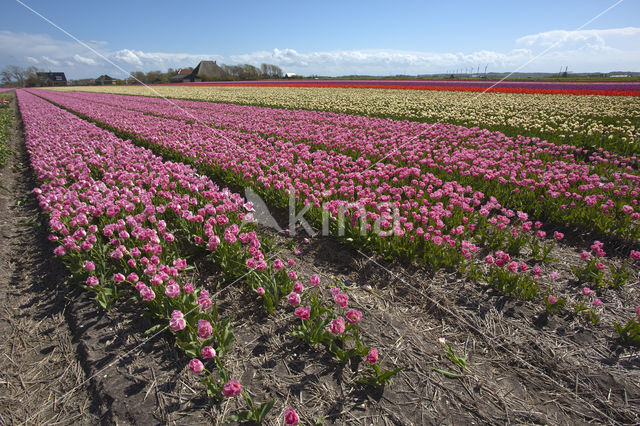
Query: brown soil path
41,379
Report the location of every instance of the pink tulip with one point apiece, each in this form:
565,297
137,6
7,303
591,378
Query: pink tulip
302,313
372,356
231,388
196,366
291,417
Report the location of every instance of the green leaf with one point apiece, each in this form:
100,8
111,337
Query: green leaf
102,300
448,373
155,329
387,375
240,417
264,408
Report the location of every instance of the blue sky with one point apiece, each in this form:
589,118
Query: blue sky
328,38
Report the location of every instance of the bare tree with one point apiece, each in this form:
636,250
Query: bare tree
249,72
16,76
276,72
13,74
271,71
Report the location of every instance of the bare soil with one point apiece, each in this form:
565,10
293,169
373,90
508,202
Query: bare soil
42,380
63,360
522,369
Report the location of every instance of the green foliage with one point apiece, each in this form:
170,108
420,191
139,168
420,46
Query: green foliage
630,333
254,414
379,377
6,117
519,285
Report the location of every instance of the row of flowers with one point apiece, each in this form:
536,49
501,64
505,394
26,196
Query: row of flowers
415,181
586,121
125,222
123,218
344,132
491,227
456,88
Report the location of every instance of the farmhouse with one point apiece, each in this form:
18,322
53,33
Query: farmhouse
51,79
104,80
204,71
181,75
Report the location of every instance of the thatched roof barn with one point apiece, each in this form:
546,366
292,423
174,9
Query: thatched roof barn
204,71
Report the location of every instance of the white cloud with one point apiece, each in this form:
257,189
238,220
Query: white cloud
594,38
586,50
84,60
77,61
382,62
128,56
51,61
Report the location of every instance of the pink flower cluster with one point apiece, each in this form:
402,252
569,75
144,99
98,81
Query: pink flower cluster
562,180
102,191
587,292
407,181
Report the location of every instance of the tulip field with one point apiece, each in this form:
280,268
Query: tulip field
500,233
608,122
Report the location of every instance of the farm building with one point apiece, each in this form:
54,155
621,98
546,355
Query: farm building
104,80
52,79
181,75
204,71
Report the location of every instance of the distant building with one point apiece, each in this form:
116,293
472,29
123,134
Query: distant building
82,82
181,76
105,80
204,71
51,79
290,75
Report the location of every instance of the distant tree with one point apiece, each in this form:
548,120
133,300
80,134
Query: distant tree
139,77
156,77
233,71
271,71
249,72
16,76
276,72
32,79
264,69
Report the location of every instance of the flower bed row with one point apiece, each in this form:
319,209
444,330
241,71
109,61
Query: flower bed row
490,226
126,222
589,122
547,88
527,174
336,131
123,219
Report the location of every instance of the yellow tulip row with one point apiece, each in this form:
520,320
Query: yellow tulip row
612,122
